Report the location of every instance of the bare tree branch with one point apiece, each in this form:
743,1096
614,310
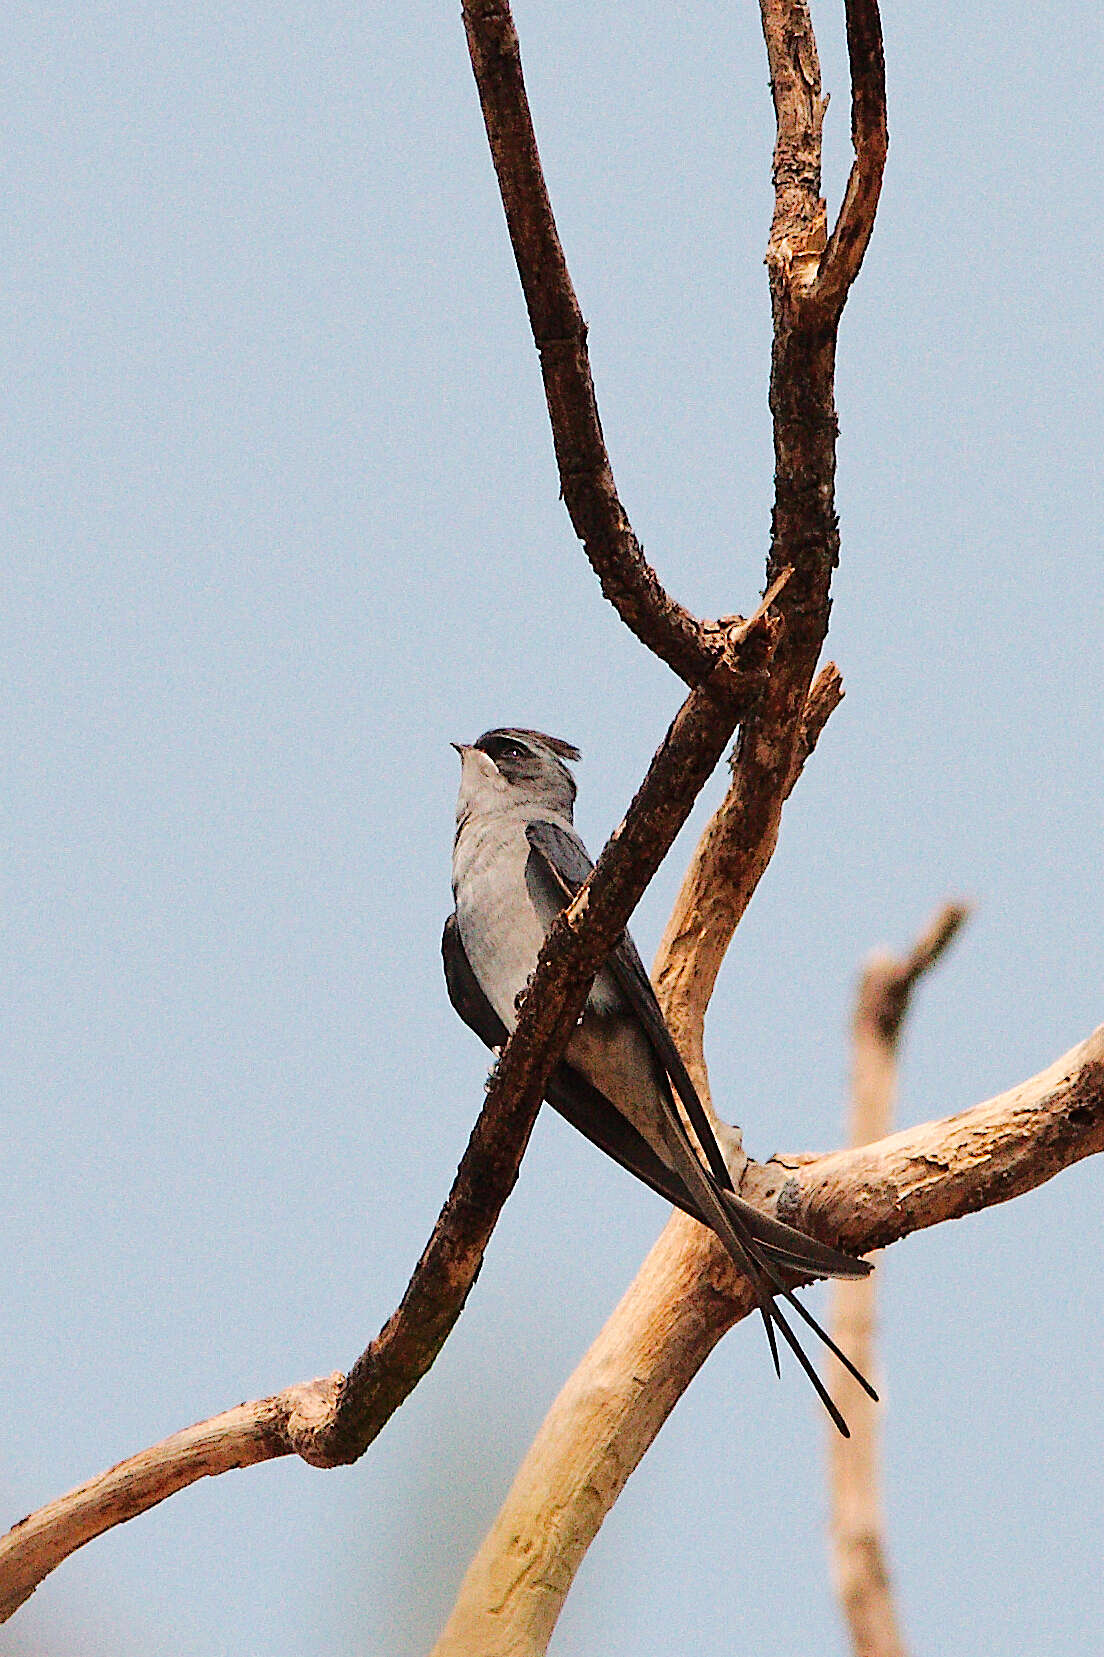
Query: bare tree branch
334,1419
687,1294
576,947
774,743
859,1562
798,229
559,332
945,1170
825,697
238,1438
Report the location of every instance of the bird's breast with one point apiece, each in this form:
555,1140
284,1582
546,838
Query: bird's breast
501,931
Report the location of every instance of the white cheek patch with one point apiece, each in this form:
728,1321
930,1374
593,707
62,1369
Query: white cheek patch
481,782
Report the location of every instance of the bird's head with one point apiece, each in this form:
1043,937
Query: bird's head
512,767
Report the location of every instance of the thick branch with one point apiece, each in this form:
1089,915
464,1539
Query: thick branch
687,1294
559,332
859,1561
875,1194
740,840
596,1432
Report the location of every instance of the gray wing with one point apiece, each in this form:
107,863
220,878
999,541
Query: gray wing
759,1244
569,1093
566,859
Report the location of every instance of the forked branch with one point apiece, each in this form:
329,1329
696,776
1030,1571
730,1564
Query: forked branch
559,332
870,136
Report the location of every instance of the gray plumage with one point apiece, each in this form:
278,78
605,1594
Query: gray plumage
517,861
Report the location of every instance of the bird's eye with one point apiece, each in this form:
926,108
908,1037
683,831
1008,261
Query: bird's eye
504,748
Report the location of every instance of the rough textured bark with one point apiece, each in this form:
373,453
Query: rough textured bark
590,494
741,838
860,1567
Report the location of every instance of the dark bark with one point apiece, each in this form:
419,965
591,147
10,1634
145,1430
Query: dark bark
396,1360
560,334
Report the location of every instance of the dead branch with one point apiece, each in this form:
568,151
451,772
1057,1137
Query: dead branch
859,1560
870,136
576,947
240,1437
558,1504
559,332
687,1294
825,697
333,1420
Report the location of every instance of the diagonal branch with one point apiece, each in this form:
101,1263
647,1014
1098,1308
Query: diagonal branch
773,744
859,1564
559,332
576,947
334,1419
687,1294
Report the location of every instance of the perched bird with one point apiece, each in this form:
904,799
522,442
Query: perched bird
516,863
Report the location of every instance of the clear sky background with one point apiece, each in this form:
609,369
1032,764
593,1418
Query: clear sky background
281,520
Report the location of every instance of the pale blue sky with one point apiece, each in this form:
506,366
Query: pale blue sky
281,521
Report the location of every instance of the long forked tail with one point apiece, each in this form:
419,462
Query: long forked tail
771,1247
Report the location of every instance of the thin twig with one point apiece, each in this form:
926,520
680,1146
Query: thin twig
859,1561
848,242
825,696
559,332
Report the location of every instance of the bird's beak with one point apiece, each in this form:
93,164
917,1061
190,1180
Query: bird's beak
462,748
